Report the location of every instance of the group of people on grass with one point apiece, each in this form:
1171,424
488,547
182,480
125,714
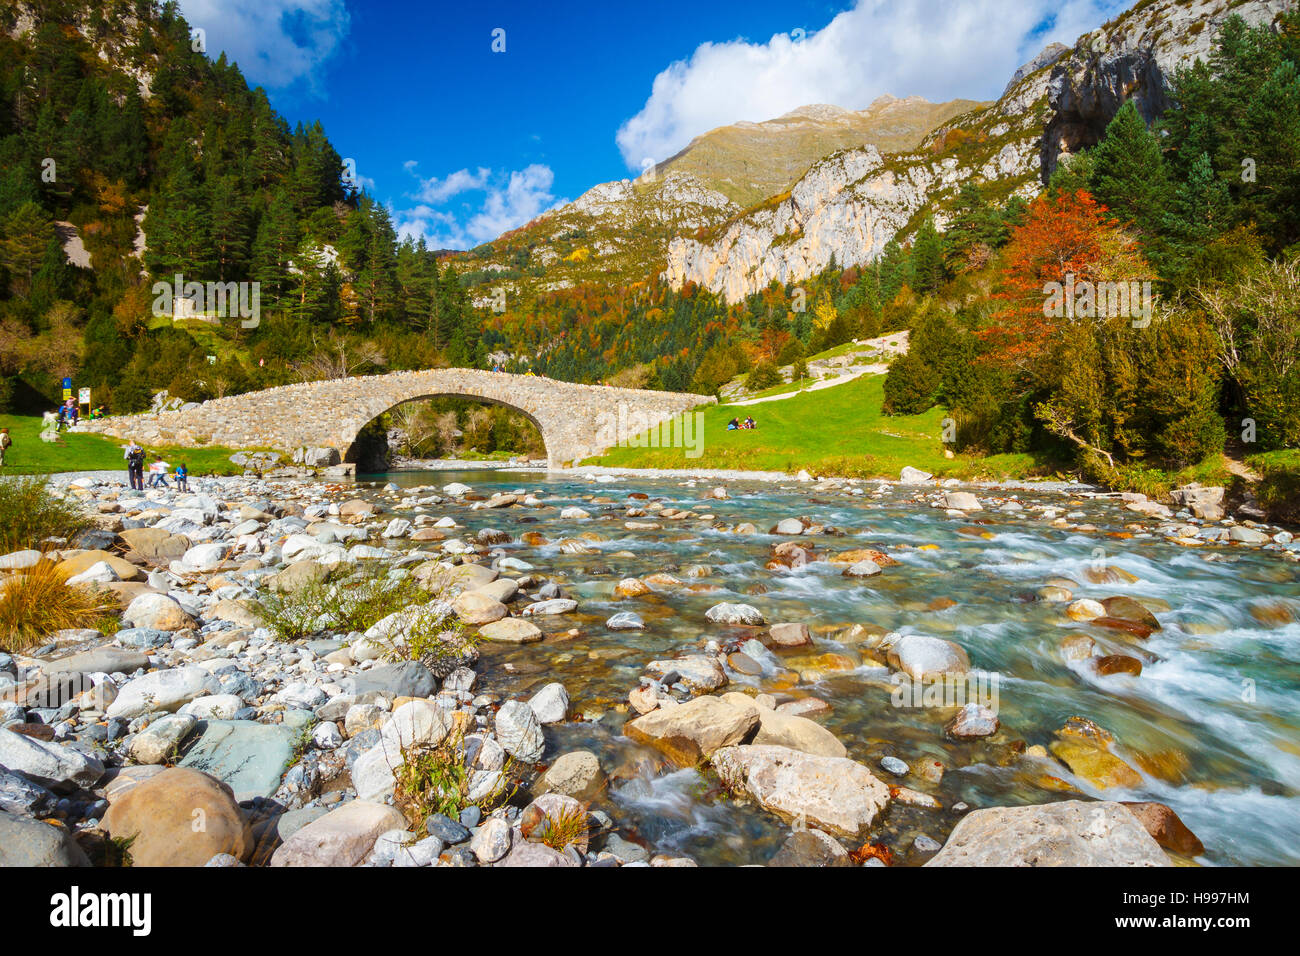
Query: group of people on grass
69,413
736,424
158,470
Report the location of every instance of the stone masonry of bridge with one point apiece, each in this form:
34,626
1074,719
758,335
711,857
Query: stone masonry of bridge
574,420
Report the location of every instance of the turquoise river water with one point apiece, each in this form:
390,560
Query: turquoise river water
1211,724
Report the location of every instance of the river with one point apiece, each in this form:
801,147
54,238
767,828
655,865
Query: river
1211,724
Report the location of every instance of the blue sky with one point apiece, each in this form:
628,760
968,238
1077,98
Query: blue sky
463,142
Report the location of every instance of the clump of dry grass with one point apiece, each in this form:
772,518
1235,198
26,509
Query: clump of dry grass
38,601
558,831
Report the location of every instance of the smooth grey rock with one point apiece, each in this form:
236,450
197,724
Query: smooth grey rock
249,757
1069,833
26,842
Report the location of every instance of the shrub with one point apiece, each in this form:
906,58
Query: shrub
438,780
910,386
351,597
30,513
37,602
763,375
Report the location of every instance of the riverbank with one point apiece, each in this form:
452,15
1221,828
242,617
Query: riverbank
598,669
80,451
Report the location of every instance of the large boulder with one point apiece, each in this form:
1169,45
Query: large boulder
99,660
519,731
789,730
692,731
741,614
179,817
962,501
26,842
511,630
576,774
157,611
162,690
80,563
700,671
834,794
550,704
1071,833
922,657
407,679
1204,502
162,739
52,765
205,557
156,546
343,837
475,607
249,757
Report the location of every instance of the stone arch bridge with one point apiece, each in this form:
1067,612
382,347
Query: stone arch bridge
575,421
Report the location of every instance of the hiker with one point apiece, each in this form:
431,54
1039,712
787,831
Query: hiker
135,466
158,473
97,412
5,442
74,411
733,424
182,477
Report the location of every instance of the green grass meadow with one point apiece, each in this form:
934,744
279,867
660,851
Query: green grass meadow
834,431
30,456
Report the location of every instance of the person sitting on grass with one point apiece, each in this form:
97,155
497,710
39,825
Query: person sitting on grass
750,423
733,424
5,442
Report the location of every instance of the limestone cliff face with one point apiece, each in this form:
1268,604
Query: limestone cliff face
1133,58
848,206
621,230
851,204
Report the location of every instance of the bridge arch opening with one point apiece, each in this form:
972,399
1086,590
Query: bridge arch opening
446,425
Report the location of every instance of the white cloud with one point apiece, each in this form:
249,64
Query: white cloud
275,42
436,190
509,200
938,49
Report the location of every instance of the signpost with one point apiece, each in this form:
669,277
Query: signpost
67,389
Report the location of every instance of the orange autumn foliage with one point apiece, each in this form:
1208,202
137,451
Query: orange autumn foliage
1070,237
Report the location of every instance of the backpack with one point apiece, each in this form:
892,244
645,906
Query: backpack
137,457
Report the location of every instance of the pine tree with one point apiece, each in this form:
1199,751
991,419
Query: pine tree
1128,172
928,268
275,246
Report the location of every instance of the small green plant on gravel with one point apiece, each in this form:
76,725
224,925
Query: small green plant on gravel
351,597
437,780
30,512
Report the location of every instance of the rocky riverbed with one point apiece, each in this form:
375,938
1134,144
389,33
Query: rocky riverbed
623,671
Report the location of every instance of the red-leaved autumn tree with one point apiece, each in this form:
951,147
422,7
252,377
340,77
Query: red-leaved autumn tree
1066,238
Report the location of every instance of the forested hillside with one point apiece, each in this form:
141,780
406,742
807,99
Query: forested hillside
1205,207
111,122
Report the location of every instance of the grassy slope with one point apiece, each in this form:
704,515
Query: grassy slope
837,430
29,455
